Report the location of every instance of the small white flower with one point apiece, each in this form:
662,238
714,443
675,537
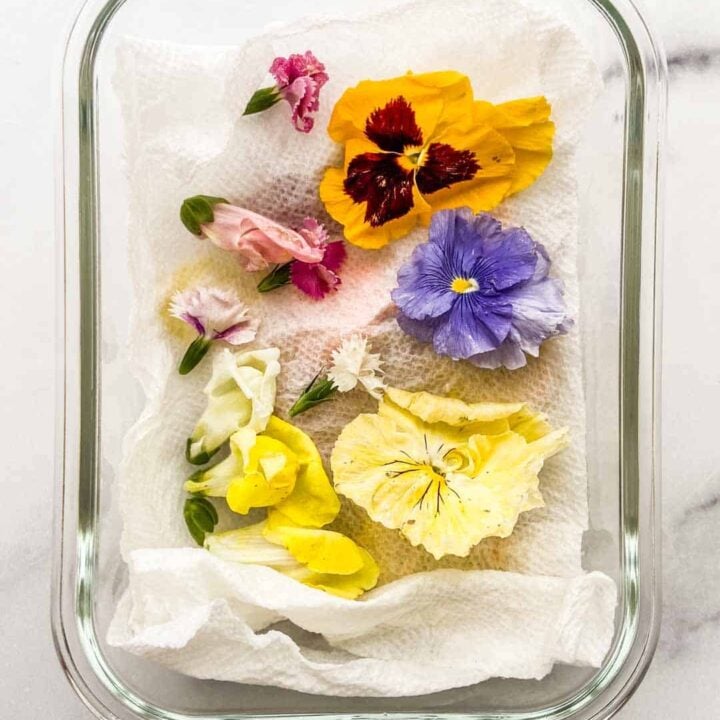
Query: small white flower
352,363
216,314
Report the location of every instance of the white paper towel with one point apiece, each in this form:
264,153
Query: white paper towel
203,616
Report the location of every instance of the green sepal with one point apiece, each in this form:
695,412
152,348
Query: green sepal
202,459
317,392
196,477
194,354
279,276
197,211
200,517
262,100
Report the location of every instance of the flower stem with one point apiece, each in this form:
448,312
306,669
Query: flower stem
262,100
316,393
194,354
278,276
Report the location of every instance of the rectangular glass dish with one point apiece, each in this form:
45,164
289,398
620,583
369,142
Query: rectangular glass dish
619,195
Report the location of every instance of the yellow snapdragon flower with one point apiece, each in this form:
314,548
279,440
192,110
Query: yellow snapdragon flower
321,559
279,468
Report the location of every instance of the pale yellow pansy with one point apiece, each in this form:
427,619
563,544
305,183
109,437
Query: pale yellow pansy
444,472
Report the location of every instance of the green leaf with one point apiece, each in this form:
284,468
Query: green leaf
202,459
200,517
194,354
317,392
197,210
262,100
279,276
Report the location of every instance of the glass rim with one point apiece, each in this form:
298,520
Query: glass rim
77,643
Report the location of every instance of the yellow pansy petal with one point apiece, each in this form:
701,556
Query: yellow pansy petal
268,477
552,443
490,183
435,408
526,125
428,94
351,215
529,424
313,502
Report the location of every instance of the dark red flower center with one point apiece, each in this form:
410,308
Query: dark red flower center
378,180
444,166
386,186
394,127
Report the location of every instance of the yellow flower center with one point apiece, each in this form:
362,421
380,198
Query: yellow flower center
463,285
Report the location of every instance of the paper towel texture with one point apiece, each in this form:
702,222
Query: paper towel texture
185,135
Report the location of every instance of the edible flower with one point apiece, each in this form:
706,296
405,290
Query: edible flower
279,468
445,473
321,559
352,364
214,314
258,241
240,393
315,279
298,80
479,292
421,143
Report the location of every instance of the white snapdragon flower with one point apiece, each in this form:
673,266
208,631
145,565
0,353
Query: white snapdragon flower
241,393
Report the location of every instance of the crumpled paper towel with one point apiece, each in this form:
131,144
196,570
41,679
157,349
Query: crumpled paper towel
209,618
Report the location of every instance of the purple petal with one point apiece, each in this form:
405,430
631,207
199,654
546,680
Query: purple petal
509,355
508,259
424,284
422,330
194,322
473,326
538,313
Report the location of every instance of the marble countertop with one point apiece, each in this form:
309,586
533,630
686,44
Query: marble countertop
682,682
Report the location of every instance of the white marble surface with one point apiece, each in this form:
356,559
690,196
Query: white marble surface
683,680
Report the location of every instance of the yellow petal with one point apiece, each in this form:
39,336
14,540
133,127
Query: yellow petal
526,125
351,215
445,473
313,502
493,180
269,473
435,408
320,559
322,551
349,587
428,94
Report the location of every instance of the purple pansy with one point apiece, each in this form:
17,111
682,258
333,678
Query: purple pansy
479,292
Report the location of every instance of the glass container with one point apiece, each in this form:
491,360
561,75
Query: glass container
620,229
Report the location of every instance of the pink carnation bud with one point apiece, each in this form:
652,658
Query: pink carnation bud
299,81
